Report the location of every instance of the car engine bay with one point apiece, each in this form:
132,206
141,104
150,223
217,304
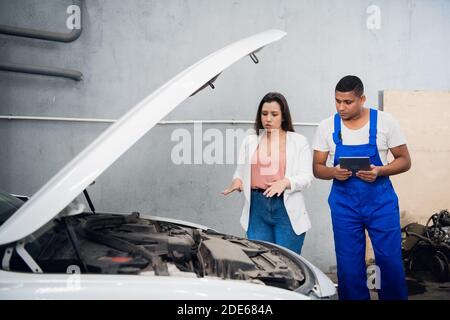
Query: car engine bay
129,244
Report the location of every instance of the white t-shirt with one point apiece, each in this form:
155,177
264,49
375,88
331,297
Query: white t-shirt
389,135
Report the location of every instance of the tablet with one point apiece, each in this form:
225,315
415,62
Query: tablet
354,164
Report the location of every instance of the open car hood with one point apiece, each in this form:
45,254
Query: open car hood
69,182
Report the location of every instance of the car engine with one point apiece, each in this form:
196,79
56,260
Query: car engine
129,244
426,248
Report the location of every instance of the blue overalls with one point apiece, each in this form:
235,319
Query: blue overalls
357,205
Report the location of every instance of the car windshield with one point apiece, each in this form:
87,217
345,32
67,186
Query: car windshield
8,205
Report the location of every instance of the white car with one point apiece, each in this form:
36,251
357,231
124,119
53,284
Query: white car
52,249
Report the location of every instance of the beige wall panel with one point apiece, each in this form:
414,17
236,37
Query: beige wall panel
424,117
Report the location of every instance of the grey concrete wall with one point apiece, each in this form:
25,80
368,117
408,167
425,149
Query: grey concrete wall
130,48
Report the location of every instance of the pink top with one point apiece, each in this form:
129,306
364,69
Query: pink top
267,169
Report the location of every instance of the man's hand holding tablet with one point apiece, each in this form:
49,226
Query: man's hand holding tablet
360,167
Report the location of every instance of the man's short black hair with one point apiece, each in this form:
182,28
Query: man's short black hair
351,83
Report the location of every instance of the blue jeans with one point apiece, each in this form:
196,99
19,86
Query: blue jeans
269,221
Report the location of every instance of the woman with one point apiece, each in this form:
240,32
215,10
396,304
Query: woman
274,167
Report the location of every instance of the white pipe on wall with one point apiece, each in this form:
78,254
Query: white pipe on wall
161,122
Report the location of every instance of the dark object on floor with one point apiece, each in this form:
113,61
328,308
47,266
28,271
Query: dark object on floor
415,287
426,249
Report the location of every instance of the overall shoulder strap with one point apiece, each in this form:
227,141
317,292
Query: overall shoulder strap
337,136
373,126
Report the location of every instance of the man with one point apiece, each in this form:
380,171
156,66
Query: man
367,200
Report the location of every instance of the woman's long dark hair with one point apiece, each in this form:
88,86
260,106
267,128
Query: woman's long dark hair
286,123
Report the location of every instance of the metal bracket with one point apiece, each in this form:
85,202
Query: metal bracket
254,57
209,83
7,258
20,249
316,290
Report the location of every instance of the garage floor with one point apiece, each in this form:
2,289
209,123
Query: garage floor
418,290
